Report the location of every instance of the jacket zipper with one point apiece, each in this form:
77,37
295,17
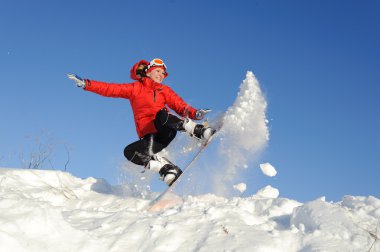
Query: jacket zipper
154,95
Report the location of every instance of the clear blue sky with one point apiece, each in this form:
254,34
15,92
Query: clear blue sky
317,62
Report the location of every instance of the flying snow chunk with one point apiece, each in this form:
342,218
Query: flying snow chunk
268,169
268,192
241,187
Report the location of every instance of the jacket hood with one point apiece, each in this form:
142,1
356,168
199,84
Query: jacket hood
134,74
135,70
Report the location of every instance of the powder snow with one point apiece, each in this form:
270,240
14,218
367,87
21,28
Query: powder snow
42,210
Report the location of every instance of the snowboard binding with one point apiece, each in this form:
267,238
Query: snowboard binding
201,131
170,173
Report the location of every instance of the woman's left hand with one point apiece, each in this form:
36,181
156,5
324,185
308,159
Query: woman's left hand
200,114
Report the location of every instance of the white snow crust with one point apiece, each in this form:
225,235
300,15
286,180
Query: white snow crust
55,211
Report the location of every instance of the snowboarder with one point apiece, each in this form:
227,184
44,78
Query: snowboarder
156,126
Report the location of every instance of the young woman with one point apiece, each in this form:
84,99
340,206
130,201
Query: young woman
156,126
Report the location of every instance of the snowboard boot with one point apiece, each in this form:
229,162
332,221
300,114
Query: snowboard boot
170,173
156,163
199,131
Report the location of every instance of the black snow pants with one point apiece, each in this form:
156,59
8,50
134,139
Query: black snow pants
141,151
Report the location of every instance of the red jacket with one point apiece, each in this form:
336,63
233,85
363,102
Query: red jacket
147,98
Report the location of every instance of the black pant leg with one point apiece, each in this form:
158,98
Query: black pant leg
138,152
167,125
141,151
165,120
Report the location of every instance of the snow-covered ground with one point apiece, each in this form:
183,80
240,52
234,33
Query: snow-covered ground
55,211
43,210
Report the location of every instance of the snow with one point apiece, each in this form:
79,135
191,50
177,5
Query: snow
242,139
268,192
42,210
241,187
245,126
268,169
55,211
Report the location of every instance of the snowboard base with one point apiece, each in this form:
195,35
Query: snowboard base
168,201
164,200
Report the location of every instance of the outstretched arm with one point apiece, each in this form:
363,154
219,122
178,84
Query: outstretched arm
109,89
103,88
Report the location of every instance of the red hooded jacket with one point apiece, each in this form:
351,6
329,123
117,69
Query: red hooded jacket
146,98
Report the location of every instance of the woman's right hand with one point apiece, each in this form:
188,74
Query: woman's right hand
78,80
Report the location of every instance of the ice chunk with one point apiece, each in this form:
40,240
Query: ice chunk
268,169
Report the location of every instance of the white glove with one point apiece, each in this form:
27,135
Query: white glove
78,80
200,114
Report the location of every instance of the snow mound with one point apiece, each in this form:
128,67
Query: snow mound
55,211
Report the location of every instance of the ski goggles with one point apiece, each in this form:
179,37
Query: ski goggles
157,62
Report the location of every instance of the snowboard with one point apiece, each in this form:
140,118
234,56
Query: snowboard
165,199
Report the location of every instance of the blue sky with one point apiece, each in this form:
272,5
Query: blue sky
317,62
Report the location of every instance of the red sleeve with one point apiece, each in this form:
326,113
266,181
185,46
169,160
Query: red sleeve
110,89
176,103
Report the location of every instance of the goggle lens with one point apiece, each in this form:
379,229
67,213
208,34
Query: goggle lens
157,62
